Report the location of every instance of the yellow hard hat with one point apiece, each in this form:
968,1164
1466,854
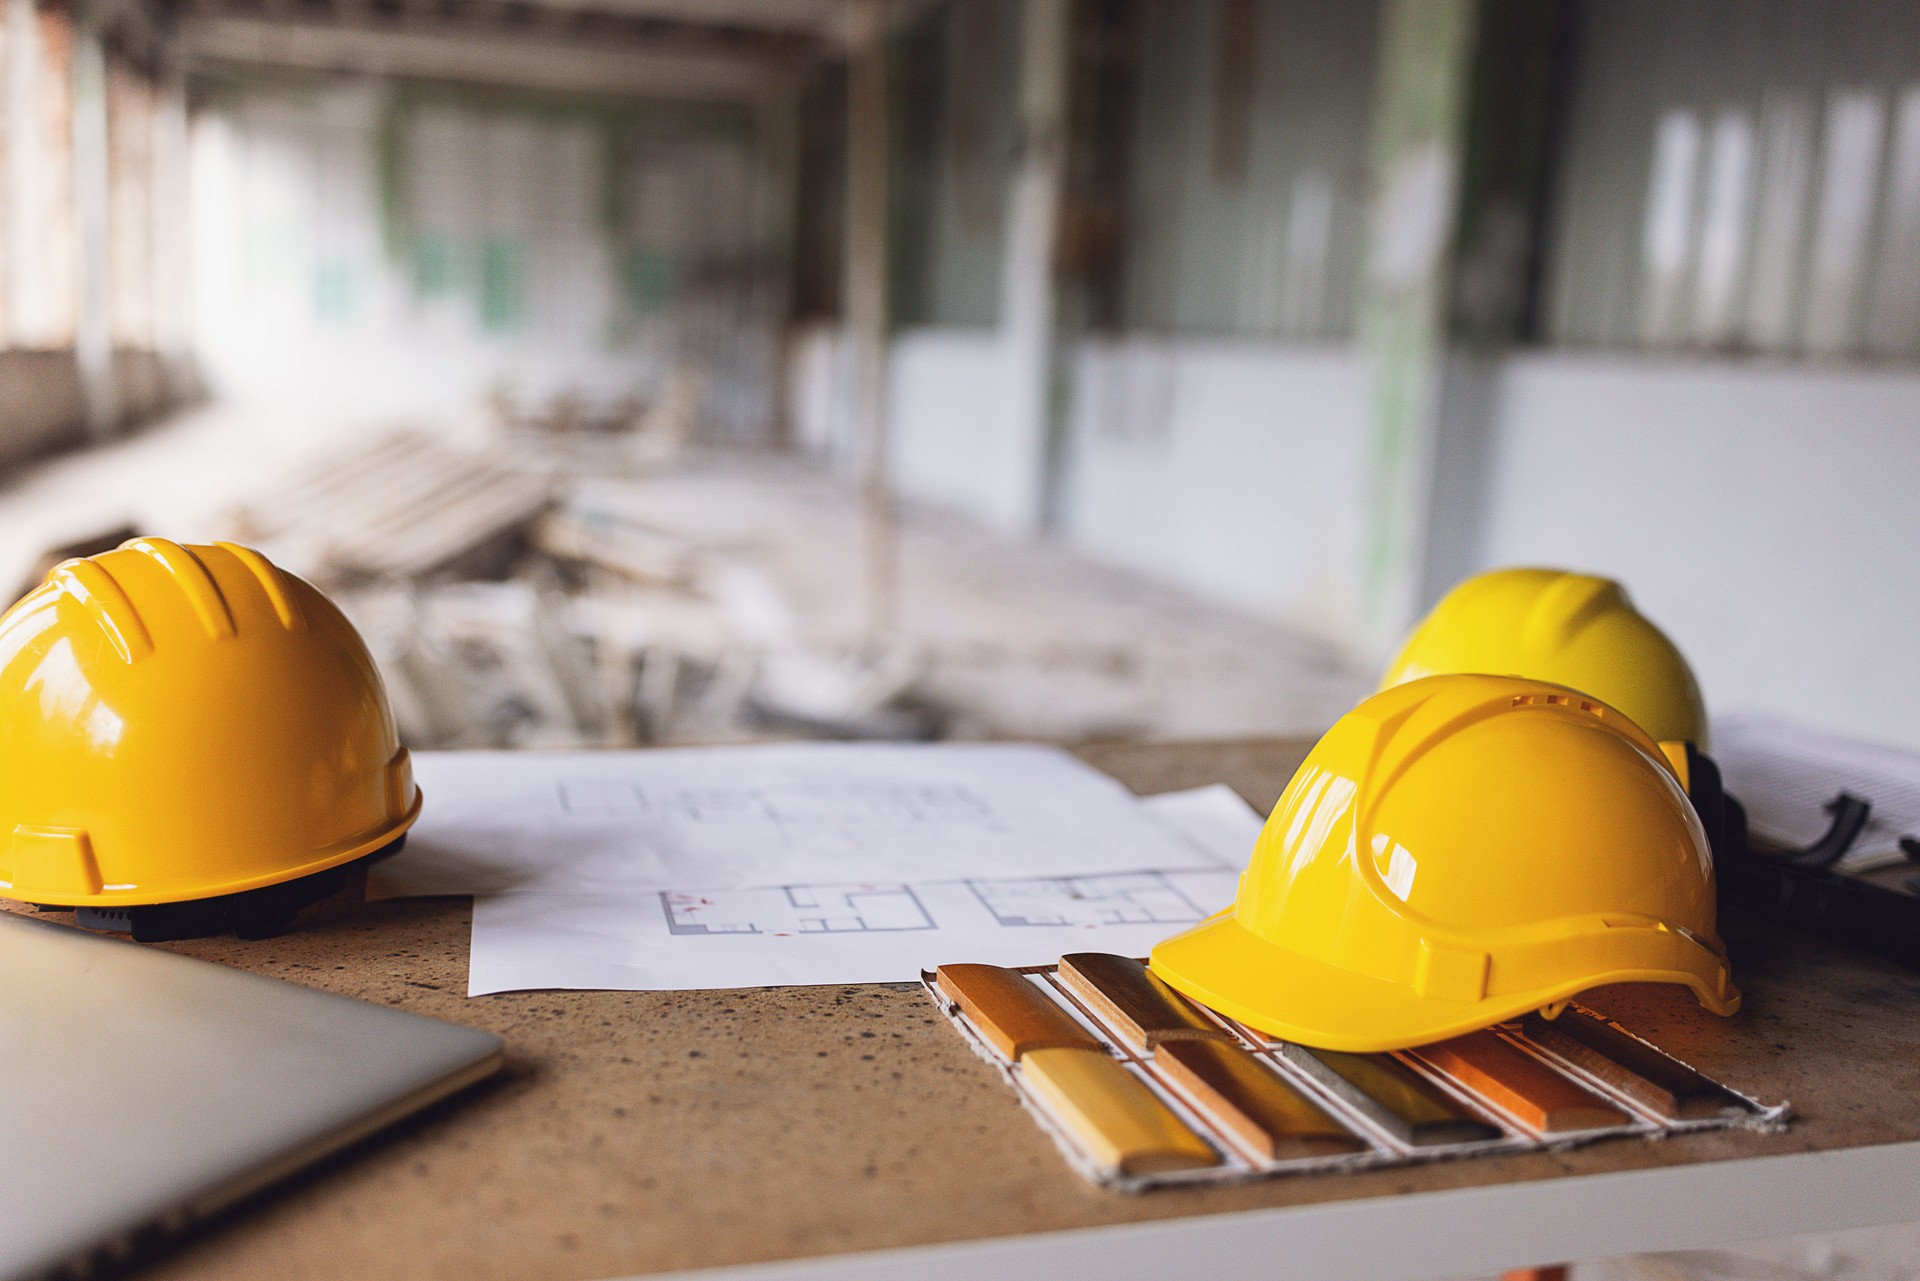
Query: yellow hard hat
184,723
1455,852
1553,625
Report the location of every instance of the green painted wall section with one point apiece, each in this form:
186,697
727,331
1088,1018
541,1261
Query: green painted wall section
494,268
1419,133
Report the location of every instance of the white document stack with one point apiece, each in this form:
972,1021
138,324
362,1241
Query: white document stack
805,863
1786,774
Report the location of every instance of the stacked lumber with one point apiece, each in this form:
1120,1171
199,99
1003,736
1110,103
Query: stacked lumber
404,508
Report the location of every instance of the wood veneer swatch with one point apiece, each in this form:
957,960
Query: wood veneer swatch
1112,1112
1633,1067
1134,1001
1393,1096
1013,1014
1513,1080
1253,1102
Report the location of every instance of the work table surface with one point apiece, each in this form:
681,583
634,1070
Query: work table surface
635,1131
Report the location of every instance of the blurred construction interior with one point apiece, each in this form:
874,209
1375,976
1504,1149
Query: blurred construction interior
667,370
673,370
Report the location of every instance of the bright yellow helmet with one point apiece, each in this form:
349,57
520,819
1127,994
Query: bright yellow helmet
1455,852
188,723
1571,629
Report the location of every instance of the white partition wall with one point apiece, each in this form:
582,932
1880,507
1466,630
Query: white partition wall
1760,512
1715,397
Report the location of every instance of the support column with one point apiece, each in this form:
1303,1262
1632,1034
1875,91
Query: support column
1418,153
1029,295
172,242
93,323
27,321
868,325
1521,67
1463,128
776,180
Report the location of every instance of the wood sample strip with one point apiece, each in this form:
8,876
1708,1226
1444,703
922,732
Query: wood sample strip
1633,1067
1253,1102
1112,1113
1392,1095
1015,1016
1135,1001
1507,1076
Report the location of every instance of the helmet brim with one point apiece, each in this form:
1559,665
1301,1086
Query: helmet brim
1284,994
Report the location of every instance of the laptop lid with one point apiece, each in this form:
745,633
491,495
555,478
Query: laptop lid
143,1090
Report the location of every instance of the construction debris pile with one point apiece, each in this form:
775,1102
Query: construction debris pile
519,595
524,595
570,574
583,579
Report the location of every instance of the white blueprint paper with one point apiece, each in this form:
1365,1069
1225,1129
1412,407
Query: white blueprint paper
861,931
765,815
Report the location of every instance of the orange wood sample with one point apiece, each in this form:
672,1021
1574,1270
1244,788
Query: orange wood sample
1508,1077
1013,1014
1134,1001
1113,1113
1253,1102
1631,1066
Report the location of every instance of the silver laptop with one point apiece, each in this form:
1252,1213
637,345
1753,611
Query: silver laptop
144,1090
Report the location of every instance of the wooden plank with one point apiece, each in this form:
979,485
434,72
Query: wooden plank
1511,1079
1631,1066
1013,1014
1134,1001
1254,1102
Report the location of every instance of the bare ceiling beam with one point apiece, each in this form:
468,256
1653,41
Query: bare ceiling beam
539,58
821,18
821,22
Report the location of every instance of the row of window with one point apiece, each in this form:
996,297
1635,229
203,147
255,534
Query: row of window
1725,174
1742,176
92,168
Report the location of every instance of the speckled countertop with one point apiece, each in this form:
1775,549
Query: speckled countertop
637,1131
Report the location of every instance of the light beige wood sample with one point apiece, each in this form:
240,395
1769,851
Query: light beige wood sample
1111,1111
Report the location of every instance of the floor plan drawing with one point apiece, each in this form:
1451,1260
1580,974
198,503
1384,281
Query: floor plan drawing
796,909
889,925
1139,898
750,817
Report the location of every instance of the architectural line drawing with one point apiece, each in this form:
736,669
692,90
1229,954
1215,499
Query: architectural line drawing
1136,898
795,909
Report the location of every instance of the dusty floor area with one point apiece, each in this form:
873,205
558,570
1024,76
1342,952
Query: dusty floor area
1000,638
